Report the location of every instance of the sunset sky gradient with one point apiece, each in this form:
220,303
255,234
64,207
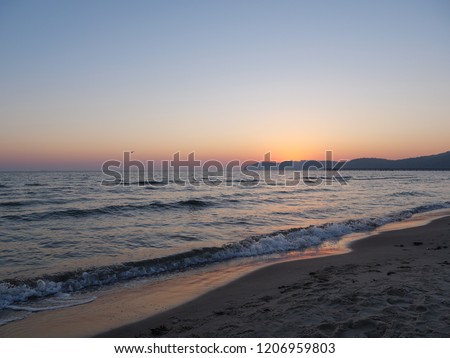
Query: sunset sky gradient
83,81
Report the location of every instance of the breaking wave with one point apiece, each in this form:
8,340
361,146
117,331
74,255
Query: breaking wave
13,292
105,210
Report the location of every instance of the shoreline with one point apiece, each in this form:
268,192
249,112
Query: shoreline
135,302
391,284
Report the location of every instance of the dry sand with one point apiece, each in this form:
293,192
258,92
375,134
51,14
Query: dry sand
396,284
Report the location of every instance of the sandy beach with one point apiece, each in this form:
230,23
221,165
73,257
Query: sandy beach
395,284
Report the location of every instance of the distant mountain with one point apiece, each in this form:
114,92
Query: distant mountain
430,162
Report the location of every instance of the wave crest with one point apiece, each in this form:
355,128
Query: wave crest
12,291
108,210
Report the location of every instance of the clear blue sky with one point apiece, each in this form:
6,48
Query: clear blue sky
81,81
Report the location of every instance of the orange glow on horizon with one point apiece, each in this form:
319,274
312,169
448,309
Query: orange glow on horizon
90,159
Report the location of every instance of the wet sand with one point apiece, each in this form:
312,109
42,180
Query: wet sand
395,284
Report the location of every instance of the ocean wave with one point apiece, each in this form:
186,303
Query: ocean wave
111,209
13,291
20,203
152,182
194,203
53,303
14,203
408,193
11,316
15,312
396,177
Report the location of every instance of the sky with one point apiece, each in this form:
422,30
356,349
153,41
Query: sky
83,81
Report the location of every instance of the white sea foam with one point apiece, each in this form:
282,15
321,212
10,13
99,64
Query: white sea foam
10,316
52,304
17,296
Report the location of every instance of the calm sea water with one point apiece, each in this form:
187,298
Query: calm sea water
61,233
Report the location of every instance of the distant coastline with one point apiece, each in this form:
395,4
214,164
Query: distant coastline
438,162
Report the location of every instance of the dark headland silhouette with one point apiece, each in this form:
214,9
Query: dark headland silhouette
430,162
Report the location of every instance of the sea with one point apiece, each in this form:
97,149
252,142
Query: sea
66,235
